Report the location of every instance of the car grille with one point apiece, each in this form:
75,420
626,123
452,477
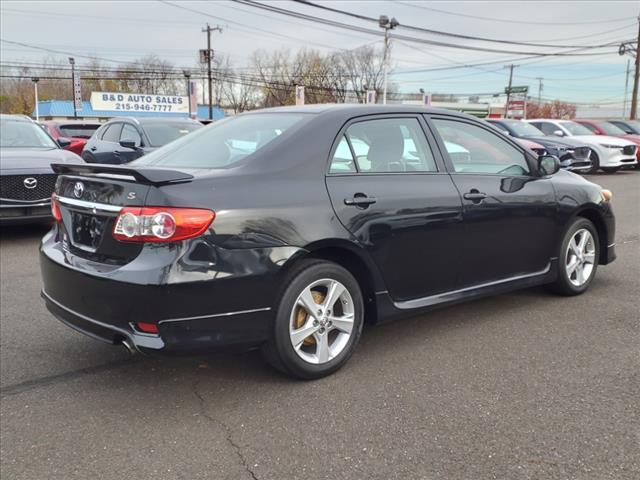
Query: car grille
629,150
581,152
13,187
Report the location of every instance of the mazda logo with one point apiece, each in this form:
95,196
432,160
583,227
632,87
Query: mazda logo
78,189
30,183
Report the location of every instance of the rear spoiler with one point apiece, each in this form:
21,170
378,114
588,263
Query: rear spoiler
147,176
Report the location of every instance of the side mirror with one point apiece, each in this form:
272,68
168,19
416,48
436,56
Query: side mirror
548,164
129,144
558,133
63,142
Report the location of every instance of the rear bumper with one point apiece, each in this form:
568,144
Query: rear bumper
222,313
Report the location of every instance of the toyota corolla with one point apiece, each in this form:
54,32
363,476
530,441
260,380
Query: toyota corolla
288,229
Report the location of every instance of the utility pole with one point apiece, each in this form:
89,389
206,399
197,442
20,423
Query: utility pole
506,108
540,88
208,31
187,75
72,61
626,89
636,79
387,24
35,81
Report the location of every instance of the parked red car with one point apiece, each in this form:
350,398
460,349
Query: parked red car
601,127
78,132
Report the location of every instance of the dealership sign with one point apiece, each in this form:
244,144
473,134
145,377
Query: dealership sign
139,102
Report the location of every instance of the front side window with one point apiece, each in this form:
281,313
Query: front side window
390,145
130,134
112,133
546,127
473,149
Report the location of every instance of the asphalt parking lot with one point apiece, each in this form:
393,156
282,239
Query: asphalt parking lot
521,386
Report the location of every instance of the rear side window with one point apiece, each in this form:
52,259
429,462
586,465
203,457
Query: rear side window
387,145
225,142
342,161
112,133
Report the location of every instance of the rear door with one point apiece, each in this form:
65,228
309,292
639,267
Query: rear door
388,187
509,212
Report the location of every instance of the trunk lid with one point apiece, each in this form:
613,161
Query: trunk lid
90,198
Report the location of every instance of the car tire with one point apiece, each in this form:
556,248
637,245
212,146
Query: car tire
577,259
610,169
328,346
595,163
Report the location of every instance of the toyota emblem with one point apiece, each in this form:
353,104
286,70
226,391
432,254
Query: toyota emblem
30,183
78,189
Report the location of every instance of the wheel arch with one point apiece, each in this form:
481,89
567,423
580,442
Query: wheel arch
592,214
352,258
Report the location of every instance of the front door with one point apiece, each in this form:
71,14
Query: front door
391,192
509,211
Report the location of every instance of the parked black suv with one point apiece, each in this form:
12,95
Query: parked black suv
286,229
123,139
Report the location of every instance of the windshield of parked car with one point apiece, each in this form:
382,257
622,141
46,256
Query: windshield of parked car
224,142
78,131
21,134
611,129
523,129
162,133
575,128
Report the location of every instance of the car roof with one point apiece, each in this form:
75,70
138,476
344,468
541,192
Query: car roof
355,109
16,118
150,120
72,122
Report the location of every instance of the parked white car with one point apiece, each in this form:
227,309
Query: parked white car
609,154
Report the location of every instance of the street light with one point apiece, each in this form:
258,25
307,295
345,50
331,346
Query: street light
187,75
72,61
35,81
387,24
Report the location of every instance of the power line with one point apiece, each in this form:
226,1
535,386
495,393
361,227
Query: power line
523,22
447,34
336,24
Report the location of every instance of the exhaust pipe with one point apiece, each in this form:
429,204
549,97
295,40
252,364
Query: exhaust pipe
128,344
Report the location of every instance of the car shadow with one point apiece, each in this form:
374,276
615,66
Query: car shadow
24,231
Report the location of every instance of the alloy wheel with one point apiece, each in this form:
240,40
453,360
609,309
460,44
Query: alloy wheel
322,321
580,257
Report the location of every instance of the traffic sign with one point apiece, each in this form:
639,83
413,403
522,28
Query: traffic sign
519,89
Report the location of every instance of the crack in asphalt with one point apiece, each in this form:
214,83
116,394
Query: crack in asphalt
27,385
226,428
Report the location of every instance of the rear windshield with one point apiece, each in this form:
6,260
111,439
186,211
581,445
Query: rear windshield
19,134
78,131
223,143
523,129
162,133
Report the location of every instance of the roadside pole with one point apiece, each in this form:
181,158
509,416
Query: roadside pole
209,54
35,81
636,79
506,107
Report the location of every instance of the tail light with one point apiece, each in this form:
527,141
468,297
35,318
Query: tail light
161,224
55,208
147,327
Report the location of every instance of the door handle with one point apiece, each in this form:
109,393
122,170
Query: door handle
360,200
475,196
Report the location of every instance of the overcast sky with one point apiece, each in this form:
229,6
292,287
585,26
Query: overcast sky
122,31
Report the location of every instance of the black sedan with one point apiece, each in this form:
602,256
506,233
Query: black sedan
122,140
287,229
26,177
573,154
